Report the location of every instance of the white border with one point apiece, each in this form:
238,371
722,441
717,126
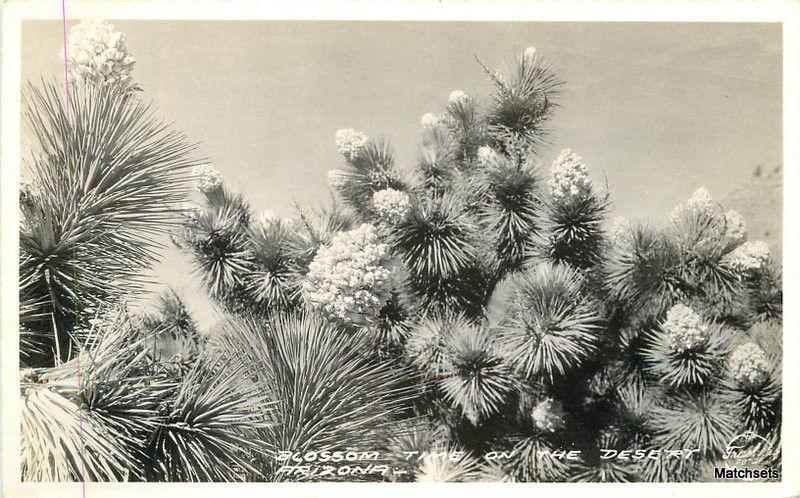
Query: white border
786,12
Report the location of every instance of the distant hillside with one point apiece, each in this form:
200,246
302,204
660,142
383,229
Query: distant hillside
760,202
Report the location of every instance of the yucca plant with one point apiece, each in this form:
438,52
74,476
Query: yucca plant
106,178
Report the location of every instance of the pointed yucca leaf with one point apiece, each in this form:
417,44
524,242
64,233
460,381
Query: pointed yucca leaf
174,331
107,175
426,347
633,409
468,127
552,325
329,392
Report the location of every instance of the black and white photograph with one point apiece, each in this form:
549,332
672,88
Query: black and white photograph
363,250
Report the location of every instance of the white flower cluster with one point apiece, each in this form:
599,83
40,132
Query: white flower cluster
429,121
458,97
700,201
734,225
749,256
351,143
391,205
348,279
569,177
548,415
748,365
685,329
530,53
620,231
208,179
487,155
97,53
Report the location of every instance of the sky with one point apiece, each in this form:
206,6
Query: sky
654,109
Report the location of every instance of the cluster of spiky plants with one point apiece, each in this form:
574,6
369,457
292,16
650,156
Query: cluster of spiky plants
469,304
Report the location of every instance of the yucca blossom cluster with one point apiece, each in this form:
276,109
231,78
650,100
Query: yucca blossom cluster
458,97
620,231
700,201
391,205
734,225
530,53
569,177
429,121
748,365
548,415
208,179
348,278
685,329
486,155
351,143
96,53
749,256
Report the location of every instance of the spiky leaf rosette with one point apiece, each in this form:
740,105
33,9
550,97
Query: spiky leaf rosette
175,336
633,409
405,445
369,171
108,174
695,419
765,291
426,347
520,106
475,378
218,242
466,124
90,417
208,431
329,391
704,244
439,244
552,324
685,350
642,276
437,161
274,283
510,209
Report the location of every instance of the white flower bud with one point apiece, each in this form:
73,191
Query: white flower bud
548,415
684,328
351,143
569,177
391,205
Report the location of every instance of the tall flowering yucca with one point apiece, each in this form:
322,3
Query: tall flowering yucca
96,53
348,279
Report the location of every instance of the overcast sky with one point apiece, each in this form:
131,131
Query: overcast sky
656,110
